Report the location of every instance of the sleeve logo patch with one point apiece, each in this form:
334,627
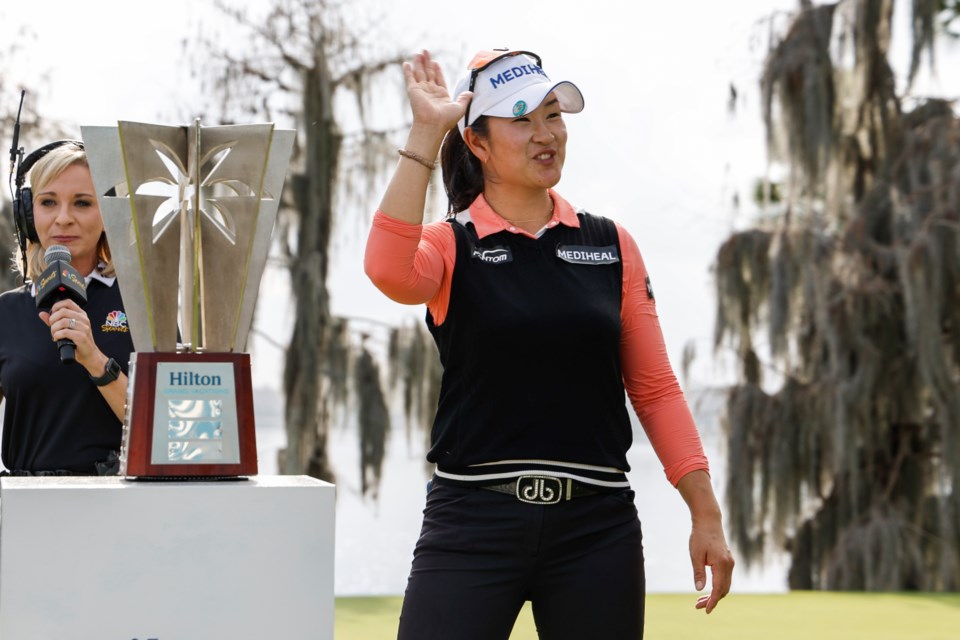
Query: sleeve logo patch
496,255
650,289
588,255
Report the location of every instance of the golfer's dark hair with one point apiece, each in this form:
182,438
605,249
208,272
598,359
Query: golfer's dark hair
462,171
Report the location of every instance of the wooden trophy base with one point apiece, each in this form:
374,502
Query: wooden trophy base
189,416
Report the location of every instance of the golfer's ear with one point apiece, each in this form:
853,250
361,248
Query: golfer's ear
477,144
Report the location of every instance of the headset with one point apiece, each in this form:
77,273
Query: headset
23,199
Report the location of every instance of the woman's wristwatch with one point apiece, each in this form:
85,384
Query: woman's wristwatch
111,371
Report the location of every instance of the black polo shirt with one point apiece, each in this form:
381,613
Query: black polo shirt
54,416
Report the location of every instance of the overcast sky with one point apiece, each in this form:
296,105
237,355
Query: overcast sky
655,148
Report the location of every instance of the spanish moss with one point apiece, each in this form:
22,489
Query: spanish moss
849,454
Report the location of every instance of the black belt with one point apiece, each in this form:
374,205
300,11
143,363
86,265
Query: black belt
536,489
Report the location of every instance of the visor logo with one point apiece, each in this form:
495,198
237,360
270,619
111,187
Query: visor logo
519,108
515,73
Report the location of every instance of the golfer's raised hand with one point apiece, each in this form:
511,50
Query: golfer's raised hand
429,97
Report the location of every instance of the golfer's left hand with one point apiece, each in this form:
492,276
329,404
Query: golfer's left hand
708,548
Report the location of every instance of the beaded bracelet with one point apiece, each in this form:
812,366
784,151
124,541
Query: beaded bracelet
417,158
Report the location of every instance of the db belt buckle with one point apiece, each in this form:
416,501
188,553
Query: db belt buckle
539,489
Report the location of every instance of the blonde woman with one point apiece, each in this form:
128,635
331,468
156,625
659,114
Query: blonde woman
62,418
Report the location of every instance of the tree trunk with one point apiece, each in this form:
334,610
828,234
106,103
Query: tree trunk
307,408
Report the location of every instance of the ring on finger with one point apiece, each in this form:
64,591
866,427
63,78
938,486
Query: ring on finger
72,323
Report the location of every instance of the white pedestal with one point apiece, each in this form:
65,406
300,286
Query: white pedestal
104,558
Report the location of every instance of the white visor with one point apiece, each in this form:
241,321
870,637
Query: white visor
512,86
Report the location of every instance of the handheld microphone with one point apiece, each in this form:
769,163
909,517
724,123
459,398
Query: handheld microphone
60,281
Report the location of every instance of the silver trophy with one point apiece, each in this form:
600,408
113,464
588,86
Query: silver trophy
189,213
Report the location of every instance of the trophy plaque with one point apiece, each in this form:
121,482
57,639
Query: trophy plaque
189,213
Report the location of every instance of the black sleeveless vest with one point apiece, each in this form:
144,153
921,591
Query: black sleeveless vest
531,351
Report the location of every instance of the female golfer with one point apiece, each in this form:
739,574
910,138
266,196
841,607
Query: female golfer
544,316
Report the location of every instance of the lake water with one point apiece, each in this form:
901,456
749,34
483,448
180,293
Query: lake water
375,538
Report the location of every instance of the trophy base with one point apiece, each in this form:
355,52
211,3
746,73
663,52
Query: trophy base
189,417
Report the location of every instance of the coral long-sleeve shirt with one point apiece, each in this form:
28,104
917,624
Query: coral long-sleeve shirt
413,264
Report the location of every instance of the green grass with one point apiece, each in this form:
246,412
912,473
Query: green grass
792,616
